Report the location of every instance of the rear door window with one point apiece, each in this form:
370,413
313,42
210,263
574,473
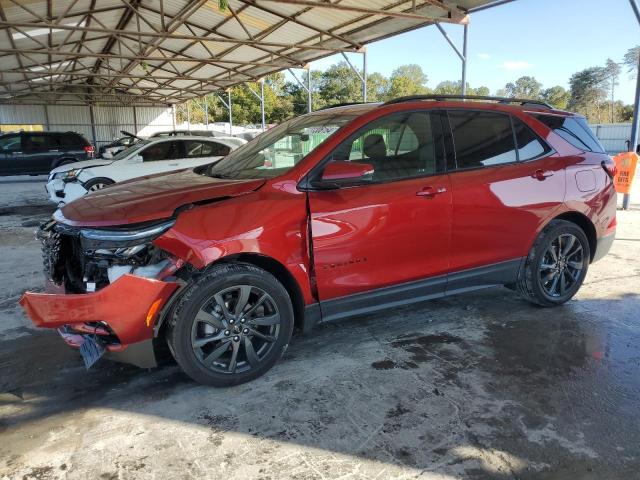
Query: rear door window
39,142
482,139
197,148
529,145
159,151
574,130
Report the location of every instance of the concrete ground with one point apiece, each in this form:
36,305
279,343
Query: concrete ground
482,385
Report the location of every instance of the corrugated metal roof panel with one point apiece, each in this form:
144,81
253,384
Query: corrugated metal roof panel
288,35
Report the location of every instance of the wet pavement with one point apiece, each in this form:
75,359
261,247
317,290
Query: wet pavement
482,385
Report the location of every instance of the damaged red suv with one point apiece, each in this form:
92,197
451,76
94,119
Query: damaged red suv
343,211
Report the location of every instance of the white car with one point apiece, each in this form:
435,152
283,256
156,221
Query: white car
146,157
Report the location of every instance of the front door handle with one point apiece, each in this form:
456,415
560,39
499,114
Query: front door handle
430,192
542,174
173,164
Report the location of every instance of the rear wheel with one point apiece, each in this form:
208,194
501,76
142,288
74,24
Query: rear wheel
557,264
231,326
96,184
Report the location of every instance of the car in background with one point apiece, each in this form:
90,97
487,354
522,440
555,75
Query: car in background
118,145
340,212
188,133
145,157
37,153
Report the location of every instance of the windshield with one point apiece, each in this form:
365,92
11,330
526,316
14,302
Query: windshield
276,151
136,147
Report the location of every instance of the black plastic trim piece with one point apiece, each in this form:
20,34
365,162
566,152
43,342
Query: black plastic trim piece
312,317
368,302
488,276
603,245
140,354
502,273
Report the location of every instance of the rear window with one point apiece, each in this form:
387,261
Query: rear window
574,130
482,138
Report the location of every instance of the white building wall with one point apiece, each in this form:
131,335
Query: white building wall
613,136
107,121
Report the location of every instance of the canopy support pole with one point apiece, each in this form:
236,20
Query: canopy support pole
633,139
260,99
306,87
227,105
462,55
355,70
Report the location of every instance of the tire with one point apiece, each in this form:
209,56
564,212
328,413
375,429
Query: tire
98,183
207,331
549,281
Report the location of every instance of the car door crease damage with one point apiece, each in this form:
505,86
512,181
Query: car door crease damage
341,212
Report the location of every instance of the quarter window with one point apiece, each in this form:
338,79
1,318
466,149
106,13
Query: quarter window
529,145
574,130
482,139
70,140
398,146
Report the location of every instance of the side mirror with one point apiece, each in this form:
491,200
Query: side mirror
136,159
350,172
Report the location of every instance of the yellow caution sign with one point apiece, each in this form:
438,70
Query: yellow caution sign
626,163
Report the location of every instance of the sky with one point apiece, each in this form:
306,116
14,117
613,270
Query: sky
547,39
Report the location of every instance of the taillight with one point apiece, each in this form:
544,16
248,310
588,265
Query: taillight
610,167
90,149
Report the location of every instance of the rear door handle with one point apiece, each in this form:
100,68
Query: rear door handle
54,150
430,192
173,164
542,174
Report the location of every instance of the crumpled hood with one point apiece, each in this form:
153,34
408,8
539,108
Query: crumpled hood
149,198
98,162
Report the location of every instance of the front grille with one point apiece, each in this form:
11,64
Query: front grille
62,256
51,252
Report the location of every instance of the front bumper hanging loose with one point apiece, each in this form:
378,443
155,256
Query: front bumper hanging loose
126,309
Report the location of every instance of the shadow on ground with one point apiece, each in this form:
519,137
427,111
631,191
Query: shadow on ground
482,385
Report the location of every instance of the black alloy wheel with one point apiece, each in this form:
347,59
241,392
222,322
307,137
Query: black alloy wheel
556,266
231,325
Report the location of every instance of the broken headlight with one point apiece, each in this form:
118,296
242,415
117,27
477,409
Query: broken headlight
123,238
113,252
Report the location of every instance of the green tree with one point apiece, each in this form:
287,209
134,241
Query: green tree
588,89
612,70
524,87
339,84
556,96
407,80
447,88
631,60
377,87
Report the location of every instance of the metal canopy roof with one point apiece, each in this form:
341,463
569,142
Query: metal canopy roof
167,51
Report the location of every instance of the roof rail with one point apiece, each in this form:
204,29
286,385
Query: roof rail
346,104
439,98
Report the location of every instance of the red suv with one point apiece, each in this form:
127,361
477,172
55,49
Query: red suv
343,211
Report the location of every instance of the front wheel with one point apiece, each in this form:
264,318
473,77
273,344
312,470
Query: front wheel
556,265
231,326
96,184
